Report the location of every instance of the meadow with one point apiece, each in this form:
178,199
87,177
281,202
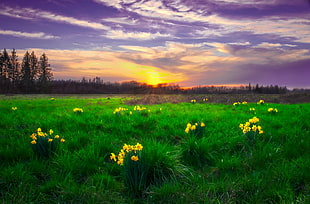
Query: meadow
165,159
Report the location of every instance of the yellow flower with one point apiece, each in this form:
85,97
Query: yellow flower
254,120
56,137
78,110
120,162
50,140
51,131
14,108
33,136
41,134
244,102
261,102
39,130
127,148
187,129
62,140
33,142
254,128
113,157
261,132
134,158
193,127
236,103
138,147
202,125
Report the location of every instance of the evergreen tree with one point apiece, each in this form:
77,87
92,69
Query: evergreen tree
34,70
45,73
5,60
26,81
13,70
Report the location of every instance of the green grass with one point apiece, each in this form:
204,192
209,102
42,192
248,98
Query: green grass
219,167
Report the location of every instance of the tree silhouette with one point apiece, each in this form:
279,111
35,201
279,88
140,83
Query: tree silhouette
26,81
45,73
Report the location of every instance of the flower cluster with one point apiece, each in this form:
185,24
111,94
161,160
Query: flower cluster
131,150
261,102
272,110
195,129
251,126
193,101
142,110
139,108
239,103
78,110
48,136
120,111
14,108
44,144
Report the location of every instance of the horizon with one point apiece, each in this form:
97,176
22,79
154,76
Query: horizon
188,43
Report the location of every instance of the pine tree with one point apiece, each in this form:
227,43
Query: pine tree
5,60
34,70
45,73
14,69
26,81
1,63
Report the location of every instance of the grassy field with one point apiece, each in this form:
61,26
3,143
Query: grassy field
222,165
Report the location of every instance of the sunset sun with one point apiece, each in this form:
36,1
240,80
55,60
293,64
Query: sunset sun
153,78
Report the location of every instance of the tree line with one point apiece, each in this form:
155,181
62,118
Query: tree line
34,75
31,75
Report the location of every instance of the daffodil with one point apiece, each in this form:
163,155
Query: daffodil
113,157
78,110
138,147
134,158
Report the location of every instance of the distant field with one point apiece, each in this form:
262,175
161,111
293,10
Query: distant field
290,98
221,166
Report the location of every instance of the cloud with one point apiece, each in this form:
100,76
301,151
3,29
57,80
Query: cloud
216,25
8,11
185,64
122,20
267,45
120,34
34,14
39,35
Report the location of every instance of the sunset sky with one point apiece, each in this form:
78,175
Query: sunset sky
187,42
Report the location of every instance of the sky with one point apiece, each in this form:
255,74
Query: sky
185,42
